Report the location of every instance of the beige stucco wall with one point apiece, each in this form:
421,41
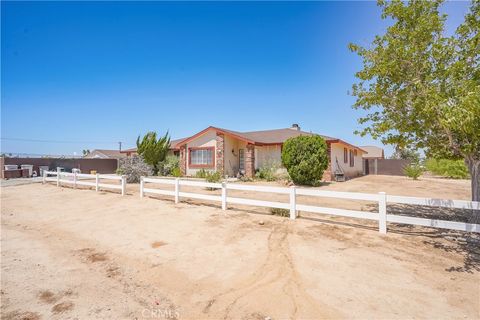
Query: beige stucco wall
268,155
337,154
208,139
232,158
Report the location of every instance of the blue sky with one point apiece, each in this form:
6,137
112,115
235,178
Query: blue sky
87,75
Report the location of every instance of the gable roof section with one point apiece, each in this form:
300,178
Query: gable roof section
373,152
111,154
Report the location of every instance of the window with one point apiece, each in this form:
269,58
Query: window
352,159
201,157
345,155
241,159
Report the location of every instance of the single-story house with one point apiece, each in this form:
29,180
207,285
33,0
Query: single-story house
373,152
105,154
232,152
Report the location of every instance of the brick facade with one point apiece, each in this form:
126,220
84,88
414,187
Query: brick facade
250,160
183,159
327,174
220,153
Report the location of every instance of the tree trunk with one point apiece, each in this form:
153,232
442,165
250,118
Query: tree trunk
474,169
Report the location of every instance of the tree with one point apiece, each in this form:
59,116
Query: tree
153,150
406,154
305,158
421,88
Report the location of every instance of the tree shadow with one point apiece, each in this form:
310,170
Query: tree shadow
465,243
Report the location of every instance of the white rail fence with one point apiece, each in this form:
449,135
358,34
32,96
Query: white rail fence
381,198
76,180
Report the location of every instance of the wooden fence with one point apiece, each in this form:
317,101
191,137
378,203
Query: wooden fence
76,179
381,198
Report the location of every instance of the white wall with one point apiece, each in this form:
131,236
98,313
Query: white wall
208,139
337,154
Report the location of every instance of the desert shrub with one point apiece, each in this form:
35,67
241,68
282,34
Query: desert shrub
280,212
306,158
455,169
134,167
176,172
413,171
268,171
213,177
202,174
167,166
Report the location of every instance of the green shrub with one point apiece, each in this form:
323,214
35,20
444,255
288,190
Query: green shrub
305,158
134,168
167,166
455,169
268,171
280,212
413,171
176,172
213,177
202,174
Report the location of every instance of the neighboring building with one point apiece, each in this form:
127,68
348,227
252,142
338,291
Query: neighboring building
105,154
232,152
373,152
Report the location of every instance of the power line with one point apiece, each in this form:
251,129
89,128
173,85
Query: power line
56,141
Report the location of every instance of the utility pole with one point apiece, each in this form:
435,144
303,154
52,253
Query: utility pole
120,146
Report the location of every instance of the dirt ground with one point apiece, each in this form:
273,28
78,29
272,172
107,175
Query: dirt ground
78,254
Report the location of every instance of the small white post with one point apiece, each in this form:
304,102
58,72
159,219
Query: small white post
141,187
124,185
44,176
97,178
224,195
293,203
75,179
382,213
177,190
58,178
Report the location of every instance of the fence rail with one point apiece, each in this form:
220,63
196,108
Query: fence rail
76,180
381,198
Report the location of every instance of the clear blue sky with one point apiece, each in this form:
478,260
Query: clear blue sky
96,73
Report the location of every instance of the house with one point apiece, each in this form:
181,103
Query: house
105,154
232,152
373,152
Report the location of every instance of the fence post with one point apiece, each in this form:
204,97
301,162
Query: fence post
293,203
75,180
44,176
141,187
382,213
58,178
124,185
224,195
97,178
177,190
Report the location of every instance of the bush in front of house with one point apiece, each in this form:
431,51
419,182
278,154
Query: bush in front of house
167,167
306,158
213,177
455,169
268,171
134,168
202,173
413,171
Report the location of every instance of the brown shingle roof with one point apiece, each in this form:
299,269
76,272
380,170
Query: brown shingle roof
112,154
373,152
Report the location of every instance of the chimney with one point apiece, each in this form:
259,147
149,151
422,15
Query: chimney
295,126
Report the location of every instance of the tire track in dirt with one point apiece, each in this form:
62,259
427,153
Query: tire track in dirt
278,269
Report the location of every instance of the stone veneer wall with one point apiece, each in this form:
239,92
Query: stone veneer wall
250,161
220,153
183,159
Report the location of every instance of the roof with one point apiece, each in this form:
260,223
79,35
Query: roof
98,153
373,152
268,137
263,137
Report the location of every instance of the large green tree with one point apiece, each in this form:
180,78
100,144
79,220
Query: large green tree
153,150
420,87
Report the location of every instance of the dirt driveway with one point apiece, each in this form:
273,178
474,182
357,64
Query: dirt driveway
79,254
